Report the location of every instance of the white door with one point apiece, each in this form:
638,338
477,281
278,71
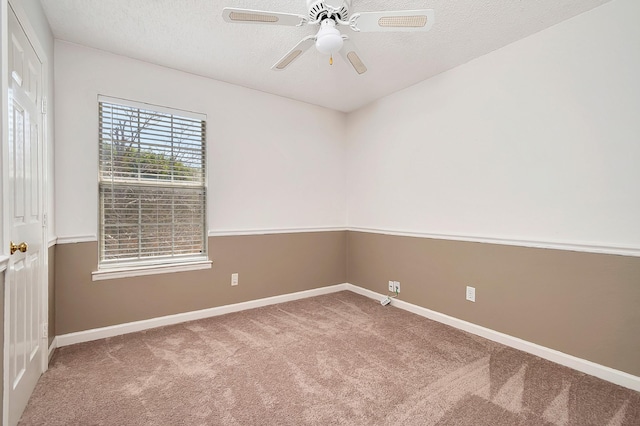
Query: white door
23,281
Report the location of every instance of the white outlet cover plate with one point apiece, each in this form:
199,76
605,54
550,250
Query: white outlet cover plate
471,294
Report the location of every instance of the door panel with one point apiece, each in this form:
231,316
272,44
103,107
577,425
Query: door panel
17,360
25,342
32,306
16,153
33,155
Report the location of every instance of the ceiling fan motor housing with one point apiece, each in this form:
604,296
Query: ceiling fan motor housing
318,10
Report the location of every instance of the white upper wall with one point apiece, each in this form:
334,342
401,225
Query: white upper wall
539,140
274,163
536,141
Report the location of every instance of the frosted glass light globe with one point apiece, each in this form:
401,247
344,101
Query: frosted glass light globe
328,39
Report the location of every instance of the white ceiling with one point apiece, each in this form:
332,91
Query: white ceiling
190,35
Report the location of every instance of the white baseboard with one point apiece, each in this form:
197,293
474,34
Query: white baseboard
606,373
132,327
52,347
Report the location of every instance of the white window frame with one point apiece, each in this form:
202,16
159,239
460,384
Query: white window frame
147,266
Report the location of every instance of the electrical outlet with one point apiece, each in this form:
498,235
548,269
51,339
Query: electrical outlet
396,286
234,279
471,294
392,285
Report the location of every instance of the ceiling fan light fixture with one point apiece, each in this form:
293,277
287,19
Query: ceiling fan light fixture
328,39
329,14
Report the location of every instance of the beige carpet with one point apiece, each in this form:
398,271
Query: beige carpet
328,360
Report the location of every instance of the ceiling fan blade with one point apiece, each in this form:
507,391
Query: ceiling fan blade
351,56
398,20
249,16
294,53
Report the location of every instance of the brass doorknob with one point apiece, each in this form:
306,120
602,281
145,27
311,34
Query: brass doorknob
23,247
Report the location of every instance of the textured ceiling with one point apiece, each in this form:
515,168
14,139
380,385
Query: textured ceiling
190,35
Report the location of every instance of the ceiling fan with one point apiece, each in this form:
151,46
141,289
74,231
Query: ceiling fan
328,15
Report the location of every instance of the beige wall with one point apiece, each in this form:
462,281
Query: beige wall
268,265
52,293
1,340
582,304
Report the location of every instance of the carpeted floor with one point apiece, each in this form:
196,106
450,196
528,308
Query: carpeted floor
328,360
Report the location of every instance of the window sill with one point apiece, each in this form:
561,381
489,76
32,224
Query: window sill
137,271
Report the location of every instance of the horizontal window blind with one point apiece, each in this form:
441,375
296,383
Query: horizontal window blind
152,185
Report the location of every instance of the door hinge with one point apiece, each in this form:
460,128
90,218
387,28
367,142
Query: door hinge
44,105
45,329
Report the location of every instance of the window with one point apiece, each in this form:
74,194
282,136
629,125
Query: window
152,185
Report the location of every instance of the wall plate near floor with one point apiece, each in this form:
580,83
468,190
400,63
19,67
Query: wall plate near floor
471,294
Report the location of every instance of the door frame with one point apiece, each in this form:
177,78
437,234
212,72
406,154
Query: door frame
23,19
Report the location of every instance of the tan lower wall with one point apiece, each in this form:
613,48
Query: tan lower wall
268,265
2,340
582,304
52,293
